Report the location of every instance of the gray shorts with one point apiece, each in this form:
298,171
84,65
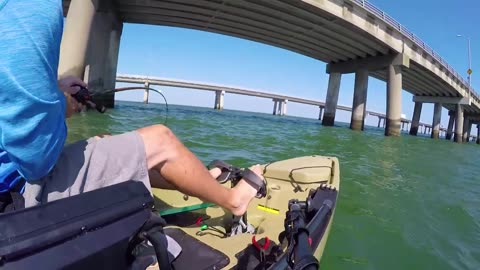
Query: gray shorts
88,165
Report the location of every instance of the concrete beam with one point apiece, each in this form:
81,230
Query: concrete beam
394,100
451,121
284,107
279,107
359,100
146,93
443,100
478,133
459,124
332,99
474,118
73,48
416,118
320,113
467,129
369,63
90,46
437,117
111,60
219,100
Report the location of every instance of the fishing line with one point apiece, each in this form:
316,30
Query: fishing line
139,88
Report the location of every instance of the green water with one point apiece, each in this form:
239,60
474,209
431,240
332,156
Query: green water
405,203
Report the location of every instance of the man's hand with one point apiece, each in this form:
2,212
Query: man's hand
70,86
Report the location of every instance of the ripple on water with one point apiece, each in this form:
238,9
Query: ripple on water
405,203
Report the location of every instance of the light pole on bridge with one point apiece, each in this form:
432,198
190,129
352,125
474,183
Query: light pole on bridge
469,71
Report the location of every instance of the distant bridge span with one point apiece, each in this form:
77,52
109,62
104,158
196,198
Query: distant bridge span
222,89
279,100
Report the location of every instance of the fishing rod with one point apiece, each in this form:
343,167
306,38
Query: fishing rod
85,97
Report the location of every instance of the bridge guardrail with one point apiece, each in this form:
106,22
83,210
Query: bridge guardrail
396,25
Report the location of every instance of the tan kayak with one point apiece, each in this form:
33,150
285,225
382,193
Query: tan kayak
207,228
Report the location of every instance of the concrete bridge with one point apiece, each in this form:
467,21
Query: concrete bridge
279,101
352,36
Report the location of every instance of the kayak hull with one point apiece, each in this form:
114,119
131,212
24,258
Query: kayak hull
286,180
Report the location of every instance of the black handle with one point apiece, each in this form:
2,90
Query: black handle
85,97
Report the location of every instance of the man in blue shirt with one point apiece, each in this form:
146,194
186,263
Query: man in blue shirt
32,127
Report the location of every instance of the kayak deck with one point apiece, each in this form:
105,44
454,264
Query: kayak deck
286,180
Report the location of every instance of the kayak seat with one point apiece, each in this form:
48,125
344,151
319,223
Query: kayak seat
195,254
84,231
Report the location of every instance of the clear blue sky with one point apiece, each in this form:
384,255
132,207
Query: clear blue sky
201,56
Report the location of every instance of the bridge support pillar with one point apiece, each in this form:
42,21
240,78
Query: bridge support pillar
77,30
459,124
219,97
437,116
284,107
394,100
478,133
275,104
90,46
359,100
470,125
467,128
451,121
280,106
146,93
332,99
417,110
320,113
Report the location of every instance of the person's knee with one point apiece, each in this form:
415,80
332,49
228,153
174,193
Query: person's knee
161,132
160,144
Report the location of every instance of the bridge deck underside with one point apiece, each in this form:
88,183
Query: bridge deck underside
290,24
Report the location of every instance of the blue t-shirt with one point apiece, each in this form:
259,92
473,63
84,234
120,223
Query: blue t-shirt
32,108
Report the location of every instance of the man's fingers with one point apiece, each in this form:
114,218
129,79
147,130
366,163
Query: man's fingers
70,84
77,81
74,89
76,106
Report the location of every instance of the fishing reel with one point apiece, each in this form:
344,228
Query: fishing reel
295,219
85,97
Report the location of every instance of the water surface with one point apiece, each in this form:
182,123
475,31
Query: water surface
405,203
